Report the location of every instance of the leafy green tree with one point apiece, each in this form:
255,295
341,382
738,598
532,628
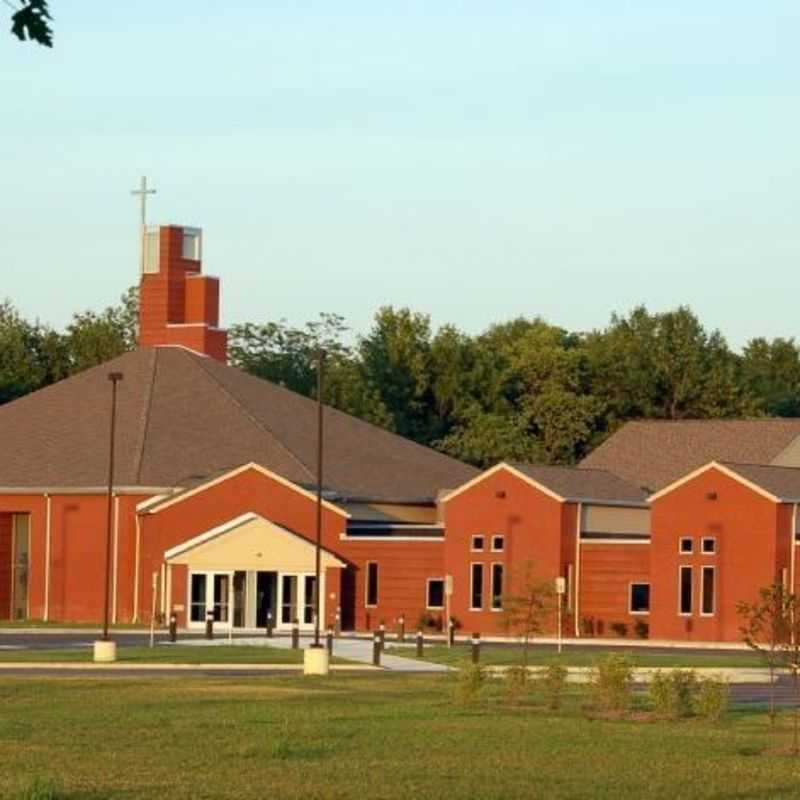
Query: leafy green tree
285,355
93,338
20,368
771,373
31,22
395,357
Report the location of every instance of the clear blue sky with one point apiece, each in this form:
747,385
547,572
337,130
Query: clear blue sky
474,160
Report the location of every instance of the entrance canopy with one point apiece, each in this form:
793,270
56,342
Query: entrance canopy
250,542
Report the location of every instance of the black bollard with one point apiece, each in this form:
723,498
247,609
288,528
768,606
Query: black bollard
401,628
209,624
173,627
295,635
337,625
451,633
420,644
329,641
476,648
270,625
382,634
376,650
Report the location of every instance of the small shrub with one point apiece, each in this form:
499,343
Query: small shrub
554,681
641,629
587,626
672,693
470,681
428,621
516,684
620,628
711,701
611,683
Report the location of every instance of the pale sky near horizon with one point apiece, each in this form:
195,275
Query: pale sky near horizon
473,160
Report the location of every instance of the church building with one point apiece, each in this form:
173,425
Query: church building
658,534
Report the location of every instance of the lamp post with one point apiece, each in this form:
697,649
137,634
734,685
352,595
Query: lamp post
105,650
315,660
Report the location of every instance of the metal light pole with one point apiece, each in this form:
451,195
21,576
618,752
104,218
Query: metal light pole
318,554
114,377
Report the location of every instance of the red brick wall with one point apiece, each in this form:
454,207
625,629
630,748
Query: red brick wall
606,572
747,528
533,525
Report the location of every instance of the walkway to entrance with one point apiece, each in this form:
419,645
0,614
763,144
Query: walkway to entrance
352,649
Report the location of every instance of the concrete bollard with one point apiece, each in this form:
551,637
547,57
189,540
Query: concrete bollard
329,641
209,624
173,627
376,650
270,625
476,648
295,635
451,633
401,628
420,644
382,634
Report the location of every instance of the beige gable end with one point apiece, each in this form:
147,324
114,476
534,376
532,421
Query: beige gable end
250,543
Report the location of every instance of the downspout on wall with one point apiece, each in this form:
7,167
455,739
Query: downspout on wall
576,589
47,531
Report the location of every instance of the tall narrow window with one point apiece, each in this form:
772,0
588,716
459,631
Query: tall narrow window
685,590
639,601
497,587
372,583
707,598
476,588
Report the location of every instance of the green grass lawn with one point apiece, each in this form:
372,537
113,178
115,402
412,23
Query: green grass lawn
381,736
169,654
586,657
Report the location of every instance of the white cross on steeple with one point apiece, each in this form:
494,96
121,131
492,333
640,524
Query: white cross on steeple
143,191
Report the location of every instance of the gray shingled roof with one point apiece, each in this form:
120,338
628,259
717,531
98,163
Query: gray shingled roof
585,484
183,418
653,454
783,482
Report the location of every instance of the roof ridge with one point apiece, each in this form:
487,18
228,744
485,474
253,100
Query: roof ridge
145,420
707,420
757,464
246,411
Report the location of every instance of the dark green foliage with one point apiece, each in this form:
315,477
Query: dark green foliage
32,23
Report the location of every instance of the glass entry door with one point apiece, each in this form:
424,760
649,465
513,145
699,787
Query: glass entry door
210,591
297,599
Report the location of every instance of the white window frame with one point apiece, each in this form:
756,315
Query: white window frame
681,568
472,547
502,539
367,604
631,584
713,570
683,539
428,582
703,551
472,566
196,236
492,607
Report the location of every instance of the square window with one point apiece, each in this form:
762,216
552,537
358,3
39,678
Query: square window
687,544
640,598
709,545
477,543
498,544
435,597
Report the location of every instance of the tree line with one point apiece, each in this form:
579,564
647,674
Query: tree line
522,390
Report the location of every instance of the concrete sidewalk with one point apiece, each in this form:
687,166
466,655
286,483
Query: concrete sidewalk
359,650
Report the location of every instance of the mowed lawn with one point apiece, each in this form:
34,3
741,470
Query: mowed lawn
362,736
585,657
168,654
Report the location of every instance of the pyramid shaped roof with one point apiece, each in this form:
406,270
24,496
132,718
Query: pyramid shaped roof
183,418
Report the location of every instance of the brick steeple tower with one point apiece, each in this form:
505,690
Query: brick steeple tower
178,305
